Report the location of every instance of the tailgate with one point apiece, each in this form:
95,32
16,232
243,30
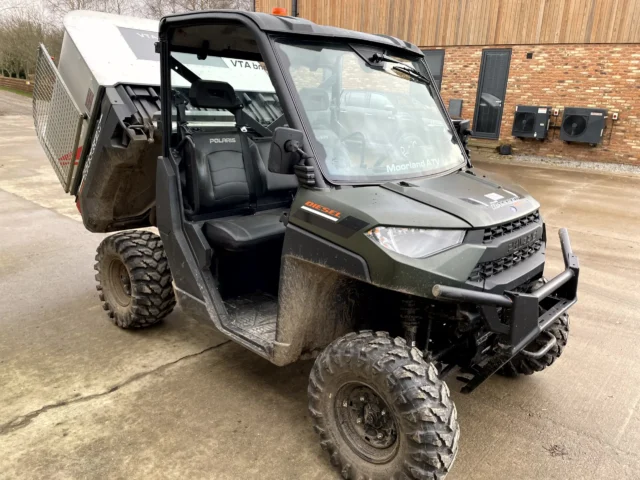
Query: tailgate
57,119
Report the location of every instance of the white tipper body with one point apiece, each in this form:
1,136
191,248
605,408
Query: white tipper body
103,49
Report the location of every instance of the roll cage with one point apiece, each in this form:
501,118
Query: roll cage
251,36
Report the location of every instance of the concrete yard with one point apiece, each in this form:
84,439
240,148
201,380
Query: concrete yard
13,104
80,398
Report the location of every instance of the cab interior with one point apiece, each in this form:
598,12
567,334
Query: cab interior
228,192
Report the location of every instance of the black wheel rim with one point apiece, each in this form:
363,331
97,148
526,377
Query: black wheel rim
366,423
119,283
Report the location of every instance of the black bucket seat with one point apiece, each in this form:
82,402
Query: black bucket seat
223,180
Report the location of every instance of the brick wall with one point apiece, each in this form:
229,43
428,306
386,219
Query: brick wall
602,76
16,83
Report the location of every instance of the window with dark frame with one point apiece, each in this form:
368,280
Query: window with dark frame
435,61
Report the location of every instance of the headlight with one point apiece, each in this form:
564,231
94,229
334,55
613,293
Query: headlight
415,242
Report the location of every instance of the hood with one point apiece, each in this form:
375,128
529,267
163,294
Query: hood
477,200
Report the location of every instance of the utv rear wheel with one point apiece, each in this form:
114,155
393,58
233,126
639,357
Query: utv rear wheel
522,364
381,411
134,280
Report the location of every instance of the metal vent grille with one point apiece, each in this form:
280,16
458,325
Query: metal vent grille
509,227
487,269
524,122
57,118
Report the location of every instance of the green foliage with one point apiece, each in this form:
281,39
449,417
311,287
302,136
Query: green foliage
16,91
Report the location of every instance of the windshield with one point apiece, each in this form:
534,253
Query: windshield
370,123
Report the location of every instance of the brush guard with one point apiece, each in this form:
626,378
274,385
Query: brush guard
521,311
57,119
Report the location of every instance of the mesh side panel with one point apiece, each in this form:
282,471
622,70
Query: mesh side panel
57,118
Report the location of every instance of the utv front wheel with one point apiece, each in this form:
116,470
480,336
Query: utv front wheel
134,280
522,364
381,411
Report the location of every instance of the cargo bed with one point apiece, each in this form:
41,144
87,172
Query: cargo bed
96,114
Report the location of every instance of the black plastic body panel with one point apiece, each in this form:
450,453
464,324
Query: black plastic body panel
169,226
117,187
307,246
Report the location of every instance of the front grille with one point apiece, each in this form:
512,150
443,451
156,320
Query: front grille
493,267
509,227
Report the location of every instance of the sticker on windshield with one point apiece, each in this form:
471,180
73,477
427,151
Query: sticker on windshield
403,167
244,64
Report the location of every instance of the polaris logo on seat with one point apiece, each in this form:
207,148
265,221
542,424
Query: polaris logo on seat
222,140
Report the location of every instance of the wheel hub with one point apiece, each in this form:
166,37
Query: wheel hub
119,283
366,423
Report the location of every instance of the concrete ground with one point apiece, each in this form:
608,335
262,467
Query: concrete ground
14,104
80,398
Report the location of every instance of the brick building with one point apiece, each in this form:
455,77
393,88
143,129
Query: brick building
557,53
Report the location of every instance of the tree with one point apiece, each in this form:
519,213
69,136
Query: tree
159,8
21,32
24,26
59,8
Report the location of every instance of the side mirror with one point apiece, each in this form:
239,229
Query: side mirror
283,153
463,129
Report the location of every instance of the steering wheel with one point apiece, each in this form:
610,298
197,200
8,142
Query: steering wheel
408,143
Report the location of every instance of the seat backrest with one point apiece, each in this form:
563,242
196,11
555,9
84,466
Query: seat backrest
274,190
216,177
220,178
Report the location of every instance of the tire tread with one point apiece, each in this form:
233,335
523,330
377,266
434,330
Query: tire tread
428,415
152,293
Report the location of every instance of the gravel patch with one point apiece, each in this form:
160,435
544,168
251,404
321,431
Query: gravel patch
603,167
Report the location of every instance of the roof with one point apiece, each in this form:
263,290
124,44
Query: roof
292,26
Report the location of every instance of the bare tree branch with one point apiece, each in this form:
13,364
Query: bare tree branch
24,26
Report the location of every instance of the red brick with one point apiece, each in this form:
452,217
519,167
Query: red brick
589,75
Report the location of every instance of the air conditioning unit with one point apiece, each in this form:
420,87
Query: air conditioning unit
531,122
583,125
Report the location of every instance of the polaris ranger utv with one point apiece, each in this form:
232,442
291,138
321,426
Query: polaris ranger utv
313,200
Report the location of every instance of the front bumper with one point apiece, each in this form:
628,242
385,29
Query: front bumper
515,316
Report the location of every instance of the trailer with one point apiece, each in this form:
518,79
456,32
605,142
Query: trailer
97,113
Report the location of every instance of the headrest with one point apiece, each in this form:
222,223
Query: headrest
212,94
315,99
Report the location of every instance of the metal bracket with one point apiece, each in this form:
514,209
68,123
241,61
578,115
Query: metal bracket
542,352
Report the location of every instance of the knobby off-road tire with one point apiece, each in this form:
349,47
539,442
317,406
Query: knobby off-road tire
523,365
418,424
134,280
